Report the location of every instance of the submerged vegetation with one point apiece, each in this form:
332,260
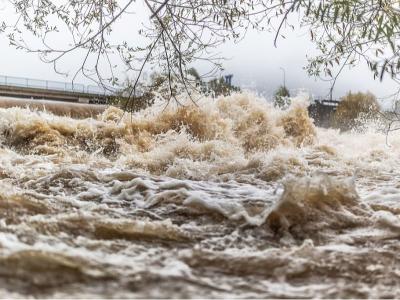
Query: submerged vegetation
355,109
282,97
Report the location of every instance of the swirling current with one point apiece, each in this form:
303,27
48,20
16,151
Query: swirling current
230,198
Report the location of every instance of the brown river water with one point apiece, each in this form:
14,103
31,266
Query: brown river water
235,199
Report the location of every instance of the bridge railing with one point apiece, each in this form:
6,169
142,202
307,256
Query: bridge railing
327,102
53,85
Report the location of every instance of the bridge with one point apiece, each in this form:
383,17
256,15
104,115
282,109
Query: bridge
21,87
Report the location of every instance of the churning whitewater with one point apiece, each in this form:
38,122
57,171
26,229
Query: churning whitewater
231,198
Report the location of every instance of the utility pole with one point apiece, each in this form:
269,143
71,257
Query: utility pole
284,77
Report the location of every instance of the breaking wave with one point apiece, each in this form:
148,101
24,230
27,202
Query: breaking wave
222,136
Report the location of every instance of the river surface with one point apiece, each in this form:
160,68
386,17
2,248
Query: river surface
235,199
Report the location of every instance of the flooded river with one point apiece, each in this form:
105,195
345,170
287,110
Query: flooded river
235,199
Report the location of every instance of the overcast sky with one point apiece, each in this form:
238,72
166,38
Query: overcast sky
255,63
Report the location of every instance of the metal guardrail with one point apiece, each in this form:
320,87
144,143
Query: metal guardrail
53,85
327,102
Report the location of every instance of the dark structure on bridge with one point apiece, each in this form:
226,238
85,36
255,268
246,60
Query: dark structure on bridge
322,112
228,79
18,87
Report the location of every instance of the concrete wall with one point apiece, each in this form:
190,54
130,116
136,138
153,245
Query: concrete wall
74,110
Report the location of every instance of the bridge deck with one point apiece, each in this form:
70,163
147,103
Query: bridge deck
52,90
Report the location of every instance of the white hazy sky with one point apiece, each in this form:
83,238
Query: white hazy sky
255,63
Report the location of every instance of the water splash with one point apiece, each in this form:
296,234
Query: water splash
230,199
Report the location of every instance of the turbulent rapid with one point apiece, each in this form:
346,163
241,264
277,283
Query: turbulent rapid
230,198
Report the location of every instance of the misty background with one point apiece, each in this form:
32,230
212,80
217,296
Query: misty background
254,61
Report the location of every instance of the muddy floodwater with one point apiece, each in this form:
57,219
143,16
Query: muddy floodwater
235,199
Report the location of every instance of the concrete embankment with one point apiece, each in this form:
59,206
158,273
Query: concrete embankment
73,110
